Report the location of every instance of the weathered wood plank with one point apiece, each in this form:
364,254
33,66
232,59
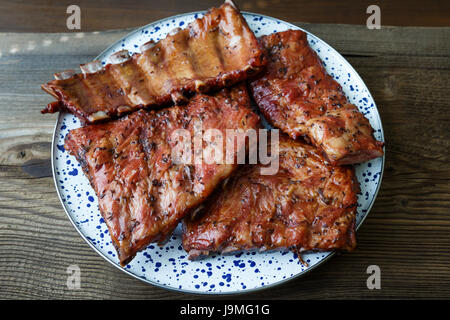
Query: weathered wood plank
22,15
407,233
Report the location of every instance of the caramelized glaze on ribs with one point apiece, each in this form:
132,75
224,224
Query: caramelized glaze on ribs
213,52
307,205
142,192
297,95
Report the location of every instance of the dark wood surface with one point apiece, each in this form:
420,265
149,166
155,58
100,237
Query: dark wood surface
407,233
50,15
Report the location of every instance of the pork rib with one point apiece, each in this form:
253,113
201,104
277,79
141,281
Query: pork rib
213,52
142,192
307,205
297,95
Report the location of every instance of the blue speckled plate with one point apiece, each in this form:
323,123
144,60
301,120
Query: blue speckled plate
169,267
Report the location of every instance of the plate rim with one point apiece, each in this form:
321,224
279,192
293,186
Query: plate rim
238,292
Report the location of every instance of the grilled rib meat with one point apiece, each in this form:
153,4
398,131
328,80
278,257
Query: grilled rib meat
297,95
142,192
307,205
213,52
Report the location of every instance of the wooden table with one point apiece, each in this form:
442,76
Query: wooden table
50,16
407,233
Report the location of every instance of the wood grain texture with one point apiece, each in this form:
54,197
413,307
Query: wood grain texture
50,16
407,232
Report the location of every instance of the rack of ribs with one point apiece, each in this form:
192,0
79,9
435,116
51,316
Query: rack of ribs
142,192
308,205
213,52
297,95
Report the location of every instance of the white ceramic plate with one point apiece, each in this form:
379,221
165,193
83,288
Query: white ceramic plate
169,267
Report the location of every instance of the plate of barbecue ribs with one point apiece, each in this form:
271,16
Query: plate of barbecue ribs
216,227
